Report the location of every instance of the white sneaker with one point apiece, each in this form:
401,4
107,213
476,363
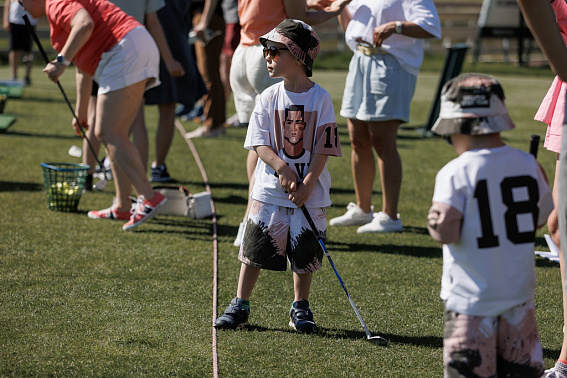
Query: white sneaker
354,216
382,223
238,239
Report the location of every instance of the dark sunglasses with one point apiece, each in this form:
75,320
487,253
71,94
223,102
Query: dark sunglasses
448,139
272,51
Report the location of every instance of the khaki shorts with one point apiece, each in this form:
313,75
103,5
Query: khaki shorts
490,346
275,234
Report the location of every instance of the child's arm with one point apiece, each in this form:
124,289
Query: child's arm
304,189
444,223
288,178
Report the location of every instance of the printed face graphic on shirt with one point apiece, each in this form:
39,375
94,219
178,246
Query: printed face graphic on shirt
294,128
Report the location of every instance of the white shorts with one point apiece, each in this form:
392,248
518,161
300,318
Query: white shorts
248,78
133,59
377,89
274,235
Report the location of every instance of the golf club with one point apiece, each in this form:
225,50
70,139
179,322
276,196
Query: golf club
101,184
373,339
534,144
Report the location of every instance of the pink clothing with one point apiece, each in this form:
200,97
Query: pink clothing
552,109
111,25
259,17
552,112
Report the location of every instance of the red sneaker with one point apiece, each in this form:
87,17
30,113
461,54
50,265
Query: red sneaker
110,213
145,210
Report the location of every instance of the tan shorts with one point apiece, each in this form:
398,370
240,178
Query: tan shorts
275,234
490,346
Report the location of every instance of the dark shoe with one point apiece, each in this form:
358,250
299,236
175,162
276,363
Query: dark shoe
188,114
88,187
234,316
302,317
160,174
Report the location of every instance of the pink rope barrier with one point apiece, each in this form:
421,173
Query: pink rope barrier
215,243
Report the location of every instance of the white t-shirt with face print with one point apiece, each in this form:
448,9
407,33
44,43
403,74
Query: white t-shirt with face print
296,126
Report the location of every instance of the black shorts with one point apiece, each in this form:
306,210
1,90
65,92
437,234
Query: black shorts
20,38
94,90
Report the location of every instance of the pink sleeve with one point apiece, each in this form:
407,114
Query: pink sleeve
444,223
560,8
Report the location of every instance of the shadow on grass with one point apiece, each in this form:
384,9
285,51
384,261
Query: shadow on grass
232,200
391,249
42,99
551,353
38,135
333,333
214,185
545,263
229,185
7,186
337,190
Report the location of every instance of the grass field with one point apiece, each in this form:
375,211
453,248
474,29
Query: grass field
84,298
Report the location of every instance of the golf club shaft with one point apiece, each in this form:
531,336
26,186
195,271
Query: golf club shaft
319,238
44,55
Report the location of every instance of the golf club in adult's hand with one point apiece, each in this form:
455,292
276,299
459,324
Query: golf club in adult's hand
373,339
100,185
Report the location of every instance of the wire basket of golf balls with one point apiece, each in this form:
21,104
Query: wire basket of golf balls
63,184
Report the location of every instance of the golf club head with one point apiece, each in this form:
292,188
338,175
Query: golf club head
100,185
379,340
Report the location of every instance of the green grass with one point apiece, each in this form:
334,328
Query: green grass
84,298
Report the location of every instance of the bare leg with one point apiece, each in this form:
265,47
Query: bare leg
122,182
14,58
248,277
302,285
123,187
251,162
140,136
553,225
116,111
164,134
225,62
88,157
29,60
363,164
383,136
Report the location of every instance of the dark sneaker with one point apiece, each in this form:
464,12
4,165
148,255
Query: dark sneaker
302,317
145,209
234,316
160,174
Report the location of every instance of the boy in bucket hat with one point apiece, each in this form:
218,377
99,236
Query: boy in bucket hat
293,130
487,205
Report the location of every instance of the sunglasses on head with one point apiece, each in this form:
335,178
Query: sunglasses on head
272,51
